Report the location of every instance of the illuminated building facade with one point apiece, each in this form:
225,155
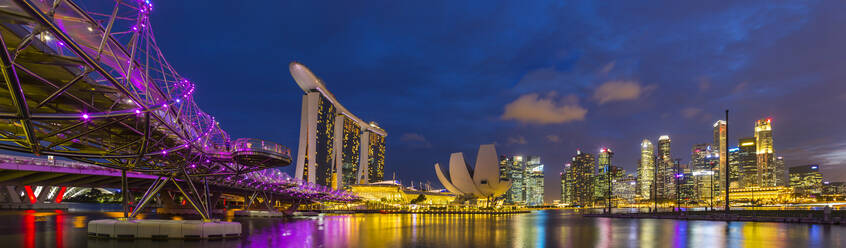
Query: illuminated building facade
645,170
566,185
336,148
625,189
373,160
582,184
604,170
719,147
513,168
348,145
664,166
734,164
806,180
761,195
764,150
534,181
392,192
748,163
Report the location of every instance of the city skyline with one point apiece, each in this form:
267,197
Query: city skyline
738,65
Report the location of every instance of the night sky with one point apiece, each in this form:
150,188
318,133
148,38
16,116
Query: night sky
534,77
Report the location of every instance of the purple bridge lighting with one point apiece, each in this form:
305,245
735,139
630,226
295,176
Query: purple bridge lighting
92,85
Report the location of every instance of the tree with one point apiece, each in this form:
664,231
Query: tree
420,198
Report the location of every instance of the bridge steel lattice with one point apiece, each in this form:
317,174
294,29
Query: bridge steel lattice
92,85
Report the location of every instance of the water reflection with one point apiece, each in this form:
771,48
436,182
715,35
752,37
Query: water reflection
537,229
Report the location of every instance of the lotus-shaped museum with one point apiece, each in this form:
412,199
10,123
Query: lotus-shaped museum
483,181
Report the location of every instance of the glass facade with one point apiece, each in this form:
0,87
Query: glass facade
582,165
513,168
806,180
534,181
747,163
764,152
664,163
646,170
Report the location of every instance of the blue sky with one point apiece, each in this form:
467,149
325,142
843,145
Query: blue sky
535,77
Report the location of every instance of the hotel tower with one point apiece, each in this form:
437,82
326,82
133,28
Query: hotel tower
336,148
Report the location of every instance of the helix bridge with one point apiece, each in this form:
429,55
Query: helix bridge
88,82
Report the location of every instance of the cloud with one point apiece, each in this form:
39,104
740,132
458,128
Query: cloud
691,112
415,140
533,109
619,91
517,140
553,138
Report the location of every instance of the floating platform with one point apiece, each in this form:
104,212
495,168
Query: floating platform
163,229
258,213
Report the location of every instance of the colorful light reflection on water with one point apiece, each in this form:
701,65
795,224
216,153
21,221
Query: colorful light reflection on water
538,229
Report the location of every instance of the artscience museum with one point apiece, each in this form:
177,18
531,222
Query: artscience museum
481,181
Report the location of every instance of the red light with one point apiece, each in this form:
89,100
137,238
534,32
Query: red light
30,194
61,194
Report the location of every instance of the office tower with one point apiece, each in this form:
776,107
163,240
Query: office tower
565,194
582,165
645,170
605,173
664,166
514,168
747,163
698,154
688,189
734,164
719,147
331,151
780,172
701,171
534,181
764,150
625,189
806,180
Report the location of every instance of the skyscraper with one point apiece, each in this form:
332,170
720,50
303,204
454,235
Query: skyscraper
582,165
806,180
664,163
372,159
645,170
514,168
780,172
605,172
764,150
701,171
348,147
734,164
747,163
566,198
719,147
336,148
534,181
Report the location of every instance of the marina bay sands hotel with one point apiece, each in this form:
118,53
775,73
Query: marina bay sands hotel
336,148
